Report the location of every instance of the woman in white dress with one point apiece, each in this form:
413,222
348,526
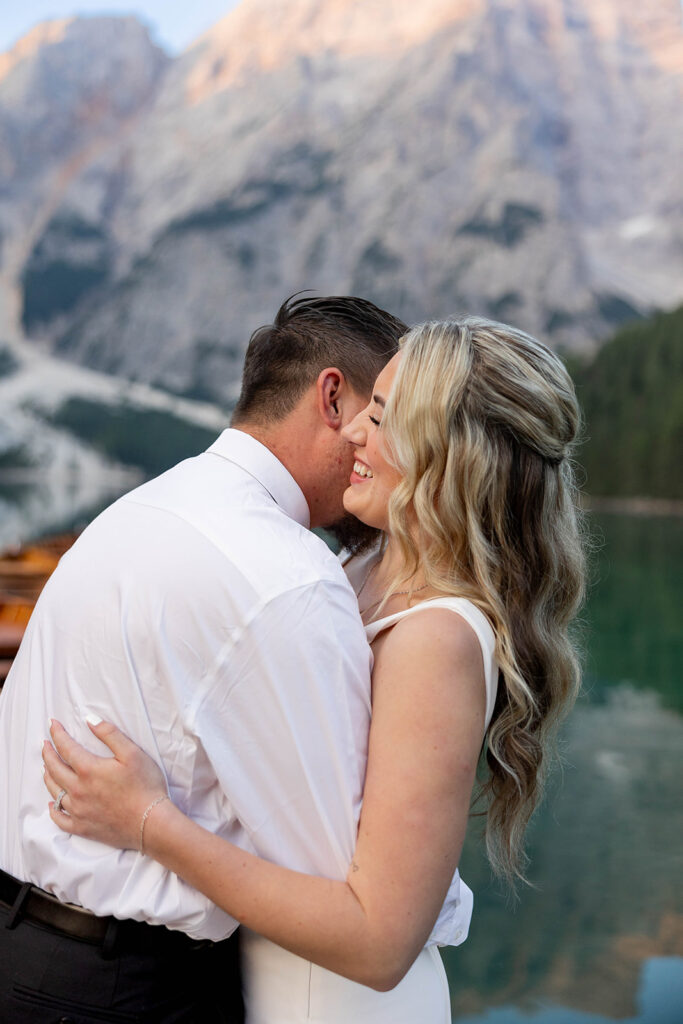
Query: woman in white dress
463,461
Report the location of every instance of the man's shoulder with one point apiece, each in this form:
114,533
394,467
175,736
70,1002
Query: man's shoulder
206,512
313,551
278,553
222,506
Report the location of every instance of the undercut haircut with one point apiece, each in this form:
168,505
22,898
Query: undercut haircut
309,334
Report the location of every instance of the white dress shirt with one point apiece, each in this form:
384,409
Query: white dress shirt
200,615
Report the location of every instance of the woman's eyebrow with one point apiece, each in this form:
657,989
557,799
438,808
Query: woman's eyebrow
378,400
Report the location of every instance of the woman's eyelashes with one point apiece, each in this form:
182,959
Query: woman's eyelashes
374,420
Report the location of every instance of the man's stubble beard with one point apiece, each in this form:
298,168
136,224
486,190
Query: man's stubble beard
354,536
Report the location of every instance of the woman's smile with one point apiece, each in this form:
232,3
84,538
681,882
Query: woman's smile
374,475
361,472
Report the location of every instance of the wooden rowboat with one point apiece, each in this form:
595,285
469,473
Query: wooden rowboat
11,634
23,574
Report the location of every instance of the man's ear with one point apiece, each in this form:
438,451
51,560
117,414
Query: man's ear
330,388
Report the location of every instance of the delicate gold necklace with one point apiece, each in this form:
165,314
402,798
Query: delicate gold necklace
395,593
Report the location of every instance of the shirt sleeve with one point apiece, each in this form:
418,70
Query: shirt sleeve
284,720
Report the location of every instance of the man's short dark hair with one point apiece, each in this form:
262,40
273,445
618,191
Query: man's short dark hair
284,358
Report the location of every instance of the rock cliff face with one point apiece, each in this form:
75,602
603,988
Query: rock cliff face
512,157
69,91
67,84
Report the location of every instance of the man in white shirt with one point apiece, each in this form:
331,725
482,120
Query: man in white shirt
201,615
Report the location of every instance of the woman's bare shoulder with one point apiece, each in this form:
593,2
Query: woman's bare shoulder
429,672
429,622
433,639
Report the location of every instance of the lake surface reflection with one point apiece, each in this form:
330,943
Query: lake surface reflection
601,937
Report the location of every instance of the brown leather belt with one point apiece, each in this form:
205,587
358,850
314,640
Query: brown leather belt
28,902
34,904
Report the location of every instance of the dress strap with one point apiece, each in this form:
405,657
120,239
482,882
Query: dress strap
475,619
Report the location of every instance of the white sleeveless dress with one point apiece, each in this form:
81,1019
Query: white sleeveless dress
281,988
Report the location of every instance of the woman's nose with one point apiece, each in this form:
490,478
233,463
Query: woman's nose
354,432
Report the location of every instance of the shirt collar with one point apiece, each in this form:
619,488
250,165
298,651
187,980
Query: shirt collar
257,460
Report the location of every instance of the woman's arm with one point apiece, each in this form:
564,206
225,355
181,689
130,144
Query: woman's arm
427,727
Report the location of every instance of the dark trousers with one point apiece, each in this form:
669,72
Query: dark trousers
146,974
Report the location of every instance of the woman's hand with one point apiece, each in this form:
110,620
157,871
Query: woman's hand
105,797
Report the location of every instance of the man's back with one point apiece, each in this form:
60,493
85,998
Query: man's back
201,615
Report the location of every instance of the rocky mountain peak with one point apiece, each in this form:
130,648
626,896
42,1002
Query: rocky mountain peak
655,26
263,36
68,79
47,33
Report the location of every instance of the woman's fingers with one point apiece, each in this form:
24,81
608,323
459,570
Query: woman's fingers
61,817
63,820
121,747
53,787
62,773
69,749
104,797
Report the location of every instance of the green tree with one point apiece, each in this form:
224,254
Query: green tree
632,398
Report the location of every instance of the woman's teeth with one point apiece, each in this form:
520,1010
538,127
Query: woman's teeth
361,469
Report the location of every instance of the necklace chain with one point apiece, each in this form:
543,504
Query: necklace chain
396,593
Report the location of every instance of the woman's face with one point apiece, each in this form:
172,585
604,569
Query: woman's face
373,478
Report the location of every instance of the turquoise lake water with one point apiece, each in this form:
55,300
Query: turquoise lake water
601,936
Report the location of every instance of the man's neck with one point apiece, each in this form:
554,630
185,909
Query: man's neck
272,439
294,446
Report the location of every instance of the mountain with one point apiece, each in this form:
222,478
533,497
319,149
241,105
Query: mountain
72,440
512,157
68,90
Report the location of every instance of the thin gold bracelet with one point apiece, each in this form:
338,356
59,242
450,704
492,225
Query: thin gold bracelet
154,803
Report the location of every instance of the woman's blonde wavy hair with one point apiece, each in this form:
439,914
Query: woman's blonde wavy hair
481,422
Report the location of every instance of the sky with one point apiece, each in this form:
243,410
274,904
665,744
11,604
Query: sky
175,23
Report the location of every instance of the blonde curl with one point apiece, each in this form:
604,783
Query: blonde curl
482,421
